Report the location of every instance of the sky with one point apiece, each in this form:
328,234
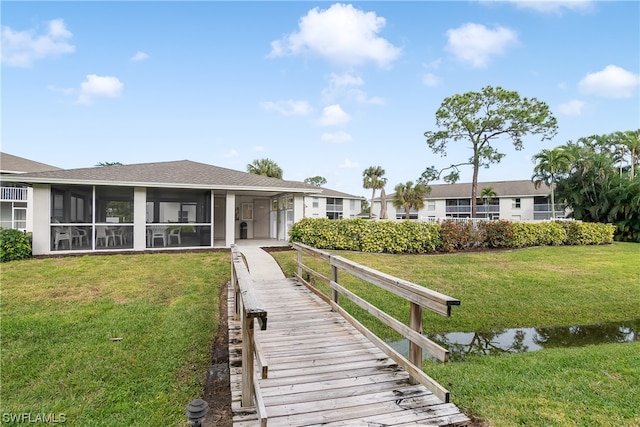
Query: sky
321,88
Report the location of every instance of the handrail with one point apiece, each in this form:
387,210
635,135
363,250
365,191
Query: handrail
248,310
418,296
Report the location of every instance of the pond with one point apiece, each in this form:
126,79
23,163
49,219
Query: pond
522,340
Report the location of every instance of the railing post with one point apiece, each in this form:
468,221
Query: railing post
415,323
334,277
247,360
299,262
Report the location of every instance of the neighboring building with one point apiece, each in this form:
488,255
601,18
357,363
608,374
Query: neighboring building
514,201
332,204
16,198
181,204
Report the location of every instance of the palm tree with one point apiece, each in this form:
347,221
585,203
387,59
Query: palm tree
372,177
407,196
487,194
550,164
265,167
628,142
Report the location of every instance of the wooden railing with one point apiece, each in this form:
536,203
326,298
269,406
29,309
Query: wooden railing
418,297
249,310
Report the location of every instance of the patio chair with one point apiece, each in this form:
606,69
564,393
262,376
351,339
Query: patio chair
61,234
158,232
101,234
79,235
175,233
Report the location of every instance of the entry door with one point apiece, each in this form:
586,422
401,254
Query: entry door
219,217
261,215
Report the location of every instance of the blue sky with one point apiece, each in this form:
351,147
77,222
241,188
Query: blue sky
321,88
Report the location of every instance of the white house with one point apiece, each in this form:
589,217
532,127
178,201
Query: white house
514,200
179,204
15,198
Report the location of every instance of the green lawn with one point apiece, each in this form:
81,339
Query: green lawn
535,287
62,321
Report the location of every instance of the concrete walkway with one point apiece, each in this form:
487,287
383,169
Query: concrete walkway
262,266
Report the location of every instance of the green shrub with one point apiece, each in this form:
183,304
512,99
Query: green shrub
14,244
588,233
497,234
456,236
367,236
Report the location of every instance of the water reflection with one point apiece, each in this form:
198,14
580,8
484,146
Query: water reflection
521,340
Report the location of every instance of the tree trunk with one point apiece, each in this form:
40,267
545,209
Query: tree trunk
474,184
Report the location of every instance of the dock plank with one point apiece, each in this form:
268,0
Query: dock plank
323,372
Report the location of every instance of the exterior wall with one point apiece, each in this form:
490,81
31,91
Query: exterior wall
139,219
41,243
230,231
350,207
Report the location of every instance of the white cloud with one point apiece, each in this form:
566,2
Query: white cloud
572,108
430,80
334,115
231,154
347,85
337,137
23,48
476,44
139,56
99,86
258,148
348,164
341,34
62,90
288,107
611,82
552,6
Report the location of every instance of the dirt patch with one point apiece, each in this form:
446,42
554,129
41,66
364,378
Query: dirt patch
217,390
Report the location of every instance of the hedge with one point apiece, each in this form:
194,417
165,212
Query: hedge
448,236
14,245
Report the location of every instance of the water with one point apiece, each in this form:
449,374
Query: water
522,340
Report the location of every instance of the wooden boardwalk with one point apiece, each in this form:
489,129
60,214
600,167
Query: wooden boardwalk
323,372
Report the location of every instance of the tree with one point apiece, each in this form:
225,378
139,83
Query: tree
265,167
481,118
628,142
318,181
487,194
550,165
373,178
408,196
109,164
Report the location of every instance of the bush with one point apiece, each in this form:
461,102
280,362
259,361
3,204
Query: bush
497,234
456,236
588,233
14,244
367,236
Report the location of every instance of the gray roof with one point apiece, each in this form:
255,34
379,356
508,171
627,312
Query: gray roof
326,192
501,188
14,164
182,174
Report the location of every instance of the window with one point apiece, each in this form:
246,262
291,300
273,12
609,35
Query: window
516,203
431,205
77,208
315,202
247,211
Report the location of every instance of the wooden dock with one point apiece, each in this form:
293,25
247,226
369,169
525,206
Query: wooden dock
324,372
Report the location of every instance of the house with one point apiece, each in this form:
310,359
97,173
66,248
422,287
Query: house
332,204
514,201
158,205
177,204
15,198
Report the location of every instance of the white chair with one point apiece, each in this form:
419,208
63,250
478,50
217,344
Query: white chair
61,234
101,234
175,233
117,233
79,235
158,232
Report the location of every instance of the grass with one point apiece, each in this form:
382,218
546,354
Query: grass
535,287
62,319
